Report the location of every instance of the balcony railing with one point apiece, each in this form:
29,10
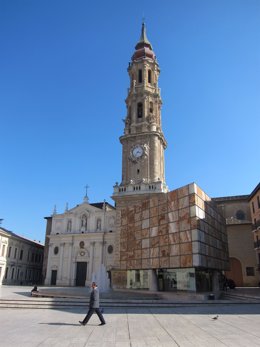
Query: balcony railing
257,244
256,225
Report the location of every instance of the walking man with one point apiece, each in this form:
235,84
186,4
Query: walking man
93,306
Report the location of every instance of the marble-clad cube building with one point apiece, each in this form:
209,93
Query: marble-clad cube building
164,240
174,240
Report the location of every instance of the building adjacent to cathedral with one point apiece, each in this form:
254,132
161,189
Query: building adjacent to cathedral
20,259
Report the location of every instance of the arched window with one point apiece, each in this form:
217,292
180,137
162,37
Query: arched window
139,110
151,107
98,224
140,76
149,76
69,226
84,223
240,215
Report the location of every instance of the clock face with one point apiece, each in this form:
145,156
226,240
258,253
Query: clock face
137,151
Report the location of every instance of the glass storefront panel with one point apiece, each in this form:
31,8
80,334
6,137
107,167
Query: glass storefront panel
137,279
176,279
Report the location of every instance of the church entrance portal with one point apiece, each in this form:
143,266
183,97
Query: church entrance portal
53,277
81,274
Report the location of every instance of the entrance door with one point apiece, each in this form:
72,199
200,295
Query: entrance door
81,274
235,272
53,277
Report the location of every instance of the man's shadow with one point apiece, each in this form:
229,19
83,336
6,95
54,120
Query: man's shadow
71,324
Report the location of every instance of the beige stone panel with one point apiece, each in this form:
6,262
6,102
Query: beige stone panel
184,202
200,193
154,241
145,223
164,262
131,216
138,216
185,236
164,251
145,243
200,202
154,252
145,214
138,244
153,202
183,191
174,249
138,263
123,256
173,205
124,221
174,227
123,245
184,225
174,238
173,195
122,265
184,213
162,209
163,219
186,248
138,235
164,240
162,199
153,212
145,205
155,262
153,221
186,260
194,223
163,229
192,199
154,231
146,263
173,216
175,262
137,253
138,209
145,253
145,233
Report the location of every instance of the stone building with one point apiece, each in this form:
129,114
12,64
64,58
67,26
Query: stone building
20,259
80,245
164,240
242,258
254,202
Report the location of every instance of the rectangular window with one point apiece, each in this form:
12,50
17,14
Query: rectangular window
15,253
12,273
6,273
140,76
21,254
3,250
258,201
250,271
253,207
9,252
17,274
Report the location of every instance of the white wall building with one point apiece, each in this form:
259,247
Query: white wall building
80,245
20,259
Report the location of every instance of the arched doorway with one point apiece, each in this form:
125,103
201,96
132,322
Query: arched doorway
235,272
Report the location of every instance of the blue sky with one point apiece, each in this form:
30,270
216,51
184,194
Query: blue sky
63,82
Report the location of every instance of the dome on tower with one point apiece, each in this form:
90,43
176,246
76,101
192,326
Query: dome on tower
143,48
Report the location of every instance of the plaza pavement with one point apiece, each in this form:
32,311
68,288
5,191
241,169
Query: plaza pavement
186,326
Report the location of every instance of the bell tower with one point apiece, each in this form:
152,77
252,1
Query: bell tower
143,142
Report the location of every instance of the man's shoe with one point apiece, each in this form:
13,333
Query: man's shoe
102,323
81,323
